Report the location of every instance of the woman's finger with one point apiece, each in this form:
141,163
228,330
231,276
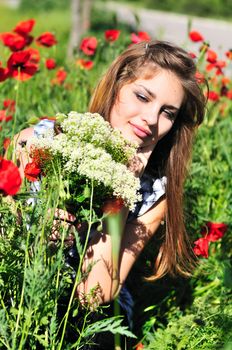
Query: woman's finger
64,215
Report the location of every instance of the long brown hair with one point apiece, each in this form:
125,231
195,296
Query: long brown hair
173,152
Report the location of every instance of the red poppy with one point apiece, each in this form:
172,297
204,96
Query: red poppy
20,67
4,73
34,55
213,231
213,96
139,346
6,143
112,206
229,54
89,45
225,80
10,180
219,71
32,171
141,36
60,77
46,39
85,64
192,55
50,63
200,77
219,65
201,247
9,105
209,67
24,27
229,94
40,155
211,56
14,41
195,36
4,117
112,34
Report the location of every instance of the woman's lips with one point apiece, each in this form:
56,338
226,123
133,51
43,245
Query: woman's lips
140,131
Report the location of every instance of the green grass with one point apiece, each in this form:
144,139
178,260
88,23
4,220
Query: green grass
57,21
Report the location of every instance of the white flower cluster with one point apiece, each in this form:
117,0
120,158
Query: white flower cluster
90,147
92,128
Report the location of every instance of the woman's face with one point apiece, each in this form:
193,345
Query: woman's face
145,109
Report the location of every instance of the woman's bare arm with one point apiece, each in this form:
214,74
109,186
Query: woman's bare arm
22,144
99,254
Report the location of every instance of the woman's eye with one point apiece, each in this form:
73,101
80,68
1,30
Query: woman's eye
169,114
141,97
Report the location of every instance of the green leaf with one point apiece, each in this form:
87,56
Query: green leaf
87,192
44,320
112,324
81,198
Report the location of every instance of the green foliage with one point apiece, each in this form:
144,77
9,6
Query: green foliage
43,5
111,324
206,8
207,322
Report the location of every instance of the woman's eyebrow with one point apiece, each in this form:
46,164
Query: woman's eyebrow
153,95
147,90
172,107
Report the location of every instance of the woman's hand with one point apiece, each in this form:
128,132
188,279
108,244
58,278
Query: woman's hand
64,221
139,162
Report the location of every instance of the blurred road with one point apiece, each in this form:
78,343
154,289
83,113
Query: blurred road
10,3
174,27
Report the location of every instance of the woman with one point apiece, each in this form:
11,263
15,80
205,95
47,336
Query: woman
150,93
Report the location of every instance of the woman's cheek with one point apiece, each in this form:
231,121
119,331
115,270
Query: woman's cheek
164,127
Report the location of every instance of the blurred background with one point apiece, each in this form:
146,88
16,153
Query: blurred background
168,20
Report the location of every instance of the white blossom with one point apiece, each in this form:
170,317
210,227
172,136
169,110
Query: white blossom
87,145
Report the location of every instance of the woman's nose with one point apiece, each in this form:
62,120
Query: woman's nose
151,116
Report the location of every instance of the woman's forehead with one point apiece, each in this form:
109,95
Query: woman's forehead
149,72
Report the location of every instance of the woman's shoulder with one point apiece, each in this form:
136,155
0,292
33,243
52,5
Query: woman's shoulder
21,144
21,141
24,134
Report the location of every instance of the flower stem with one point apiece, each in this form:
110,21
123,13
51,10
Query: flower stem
114,222
78,275
20,311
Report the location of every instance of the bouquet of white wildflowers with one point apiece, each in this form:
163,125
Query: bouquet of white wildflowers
86,151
